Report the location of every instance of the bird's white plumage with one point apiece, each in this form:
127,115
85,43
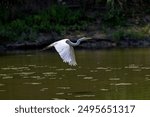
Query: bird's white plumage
65,51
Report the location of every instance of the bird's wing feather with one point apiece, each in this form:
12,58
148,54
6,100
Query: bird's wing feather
66,52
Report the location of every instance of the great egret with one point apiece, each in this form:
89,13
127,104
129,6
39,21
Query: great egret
65,49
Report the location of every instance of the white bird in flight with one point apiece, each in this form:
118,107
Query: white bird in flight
65,49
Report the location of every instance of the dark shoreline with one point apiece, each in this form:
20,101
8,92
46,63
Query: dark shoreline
95,43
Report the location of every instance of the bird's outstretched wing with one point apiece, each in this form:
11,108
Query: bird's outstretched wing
66,52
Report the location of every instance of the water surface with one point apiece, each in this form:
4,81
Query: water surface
100,74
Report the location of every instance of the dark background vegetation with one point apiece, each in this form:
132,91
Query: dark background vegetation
25,19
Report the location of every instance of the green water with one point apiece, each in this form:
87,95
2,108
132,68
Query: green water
101,74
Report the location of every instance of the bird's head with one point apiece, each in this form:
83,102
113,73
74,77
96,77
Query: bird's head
85,38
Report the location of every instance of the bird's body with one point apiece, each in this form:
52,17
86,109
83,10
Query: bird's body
65,50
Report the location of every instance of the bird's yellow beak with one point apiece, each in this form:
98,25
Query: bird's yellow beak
88,38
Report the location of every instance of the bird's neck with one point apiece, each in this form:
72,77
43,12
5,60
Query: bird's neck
75,44
72,43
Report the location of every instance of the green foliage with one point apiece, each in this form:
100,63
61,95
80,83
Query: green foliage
15,24
117,35
114,14
57,18
132,32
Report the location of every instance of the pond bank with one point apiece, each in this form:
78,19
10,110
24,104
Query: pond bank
95,43
115,38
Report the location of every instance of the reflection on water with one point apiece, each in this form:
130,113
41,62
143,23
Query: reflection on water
103,74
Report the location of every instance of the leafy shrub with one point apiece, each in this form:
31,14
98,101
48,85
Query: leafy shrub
132,32
114,14
57,18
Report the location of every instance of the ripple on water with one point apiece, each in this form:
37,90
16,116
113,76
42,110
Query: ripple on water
114,79
70,69
60,78
32,83
1,90
86,95
49,73
32,65
132,66
93,80
147,77
102,68
7,77
3,75
59,69
25,77
58,99
65,88
137,70
116,68
36,77
16,68
52,67
104,89
69,93
2,85
145,68
121,84
88,78
81,75
41,66
25,73
60,93
93,71
108,70
43,89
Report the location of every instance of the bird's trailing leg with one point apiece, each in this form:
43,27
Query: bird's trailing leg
47,47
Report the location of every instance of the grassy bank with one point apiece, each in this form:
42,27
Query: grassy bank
131,32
